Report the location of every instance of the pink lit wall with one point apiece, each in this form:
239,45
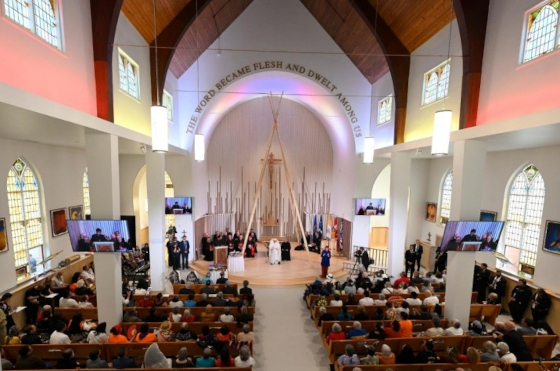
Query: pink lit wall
510,89
31,64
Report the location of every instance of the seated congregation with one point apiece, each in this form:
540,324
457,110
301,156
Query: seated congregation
203,325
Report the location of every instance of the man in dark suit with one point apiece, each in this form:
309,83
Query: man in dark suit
122,361
364,258
498,286
245,290
471,237
520,297
185,248
515,341
98,237
410,259
481,279
228,289
418,250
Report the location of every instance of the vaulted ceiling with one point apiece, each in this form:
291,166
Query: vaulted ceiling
412,21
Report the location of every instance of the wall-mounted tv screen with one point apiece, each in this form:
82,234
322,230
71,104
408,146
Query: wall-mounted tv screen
471,236
370,206
99,235
178,205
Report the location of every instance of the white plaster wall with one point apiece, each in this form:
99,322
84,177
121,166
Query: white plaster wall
420,119
132,113
176,131
381,189
59,171
420,181
66,76
509,89
384,133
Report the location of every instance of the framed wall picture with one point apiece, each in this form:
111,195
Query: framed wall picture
551,241
488,216
3,236
76,212
431,211
58,222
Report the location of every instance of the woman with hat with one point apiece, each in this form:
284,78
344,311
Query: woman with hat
325,261
164,333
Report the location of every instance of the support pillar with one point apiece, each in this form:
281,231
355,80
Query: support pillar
155,178
469,158
102,156
398,219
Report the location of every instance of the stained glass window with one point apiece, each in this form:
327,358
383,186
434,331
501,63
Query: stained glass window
38,16
169,218
446,189
85,186
541,31
436,83
167,102
128,75
523,217
24,206
384,110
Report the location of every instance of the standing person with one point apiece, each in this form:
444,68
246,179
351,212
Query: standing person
5,307
325,261
540,305
418,250
274,253
481,282
185,249
410,259
176,254
498,285
364,257
520,297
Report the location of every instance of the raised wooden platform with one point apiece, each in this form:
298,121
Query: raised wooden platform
297,271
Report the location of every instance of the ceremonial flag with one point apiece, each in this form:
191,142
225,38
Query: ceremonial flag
341,234
314,223
329,230
335,228
321,224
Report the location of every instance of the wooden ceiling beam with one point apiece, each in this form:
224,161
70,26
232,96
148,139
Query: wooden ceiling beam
398,60
104,18
168,40
472,19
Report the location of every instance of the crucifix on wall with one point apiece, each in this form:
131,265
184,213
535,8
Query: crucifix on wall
271,161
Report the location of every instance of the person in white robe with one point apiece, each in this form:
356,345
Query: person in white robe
274,252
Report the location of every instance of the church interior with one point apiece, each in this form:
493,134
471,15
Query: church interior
374,124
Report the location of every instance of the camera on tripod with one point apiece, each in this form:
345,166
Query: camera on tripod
358,254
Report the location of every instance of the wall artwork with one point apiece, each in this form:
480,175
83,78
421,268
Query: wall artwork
551,241
3,236
58,222
488,216
431,211
76,212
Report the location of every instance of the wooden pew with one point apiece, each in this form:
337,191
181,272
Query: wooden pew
541,345
51,353
197,311
419,325
420,367
490,312
195,327
182,297
199,286
336,347
68,313
353,309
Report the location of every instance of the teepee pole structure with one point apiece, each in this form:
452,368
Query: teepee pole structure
292,198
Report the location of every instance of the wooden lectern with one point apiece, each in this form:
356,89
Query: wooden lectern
220,255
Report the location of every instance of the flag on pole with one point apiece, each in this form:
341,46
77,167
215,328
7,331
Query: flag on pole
329,230
335,228
341,234
314,223
321,225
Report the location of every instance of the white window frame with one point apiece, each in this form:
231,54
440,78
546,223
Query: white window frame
525,33
167,102
128,63
31,24
443,192
388,101
438,71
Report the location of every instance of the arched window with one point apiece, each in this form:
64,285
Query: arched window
523,220
169,192
38,16
24,204
446,189
430,91
85,187
541,31
436,83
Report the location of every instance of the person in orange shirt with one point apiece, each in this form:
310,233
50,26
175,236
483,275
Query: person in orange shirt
386,357
144,336
116,335
394,331
406,325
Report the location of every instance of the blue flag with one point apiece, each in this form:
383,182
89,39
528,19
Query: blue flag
321,224
314,223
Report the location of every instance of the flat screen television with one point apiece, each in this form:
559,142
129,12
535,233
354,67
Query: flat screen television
471,236
370,206
99,235
178,205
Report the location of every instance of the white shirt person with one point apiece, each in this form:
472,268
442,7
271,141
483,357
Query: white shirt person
274,252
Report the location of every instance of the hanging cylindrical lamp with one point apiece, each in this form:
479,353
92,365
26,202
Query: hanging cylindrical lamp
199,147
160,129
369,149
441,133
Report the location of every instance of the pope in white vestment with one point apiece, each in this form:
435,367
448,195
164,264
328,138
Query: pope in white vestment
274,251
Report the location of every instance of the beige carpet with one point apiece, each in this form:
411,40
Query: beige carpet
286,338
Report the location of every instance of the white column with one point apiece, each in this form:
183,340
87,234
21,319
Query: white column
469,162
398,217
155,178
102,155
